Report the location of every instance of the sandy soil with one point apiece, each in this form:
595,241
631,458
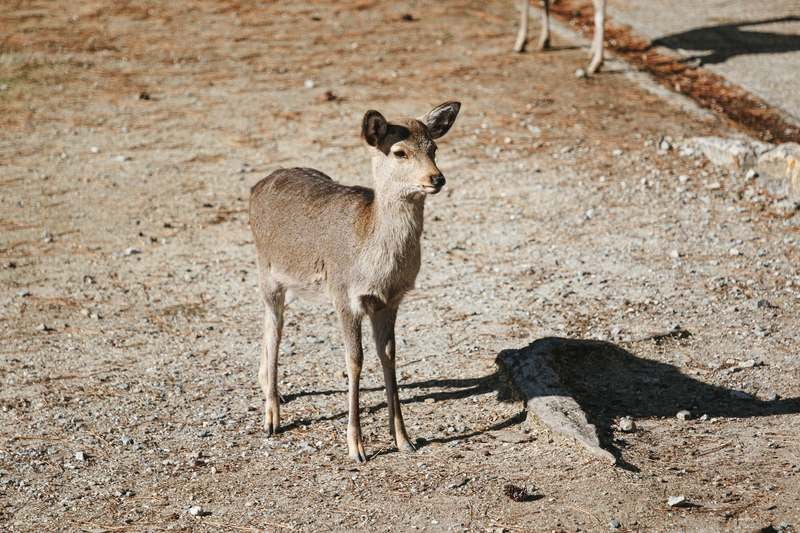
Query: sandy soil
130,134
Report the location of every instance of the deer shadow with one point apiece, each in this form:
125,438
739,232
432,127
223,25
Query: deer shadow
722,42
607,381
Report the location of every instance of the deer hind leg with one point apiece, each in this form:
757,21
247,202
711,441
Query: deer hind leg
597,41
268,368
522,34
383,330
544,36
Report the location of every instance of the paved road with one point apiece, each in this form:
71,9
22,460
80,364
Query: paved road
753,44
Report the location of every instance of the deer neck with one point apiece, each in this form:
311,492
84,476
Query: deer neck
397,221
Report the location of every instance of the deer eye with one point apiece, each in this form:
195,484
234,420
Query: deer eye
400,154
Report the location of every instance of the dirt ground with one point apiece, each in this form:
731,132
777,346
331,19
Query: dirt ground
130,133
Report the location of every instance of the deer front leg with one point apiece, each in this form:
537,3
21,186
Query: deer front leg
544,37
383,330
597,41
268,367
522,34
354,355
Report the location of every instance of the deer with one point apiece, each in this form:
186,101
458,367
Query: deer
357,247
544,37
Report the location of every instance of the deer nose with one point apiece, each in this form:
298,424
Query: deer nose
438,181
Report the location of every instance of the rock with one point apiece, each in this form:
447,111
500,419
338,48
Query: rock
309,84
779,170
126,440
80,456
204,434
751,174
683,178
664,144
737,154
626,424
740,395
580,73
44,327
94,150
122,158
195,510
617,152
131,251
773,397
23,294
458,482
734,252
513,437
684,415
677,501
614,524
765,304
750,363
675,254
531,371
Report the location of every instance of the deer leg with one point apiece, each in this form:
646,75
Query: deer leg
268,367
383,331
522,34
597,40
544,37
351,331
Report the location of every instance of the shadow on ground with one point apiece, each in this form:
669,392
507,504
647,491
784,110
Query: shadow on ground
607,381
717,44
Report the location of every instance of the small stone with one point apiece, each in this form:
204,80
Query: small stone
131,251
204,434
751,174
740,395
750,363
675,254
80,456
580,73
684,415
195,510
94,150
507,140
773,397
126,440
664,145
626,424
458,483
616,152
683,178
733,252
23,294
44,327
309,84
614,524
704,418
122,158
513,437
676,501
765,304
713,186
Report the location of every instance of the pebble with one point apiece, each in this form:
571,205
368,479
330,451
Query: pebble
664,145
23,294
765,304
750,363
750,174
616,152
675,254
676,501
80,456
309,84
684,415
131,251
195,510
773,397
683,178
94,150
734,252
614,524
122,158
126,440
580,73
626,424
43,327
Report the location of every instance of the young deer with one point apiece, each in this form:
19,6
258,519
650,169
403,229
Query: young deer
359,246
544,37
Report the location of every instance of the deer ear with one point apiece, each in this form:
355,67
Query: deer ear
440,118
374,128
